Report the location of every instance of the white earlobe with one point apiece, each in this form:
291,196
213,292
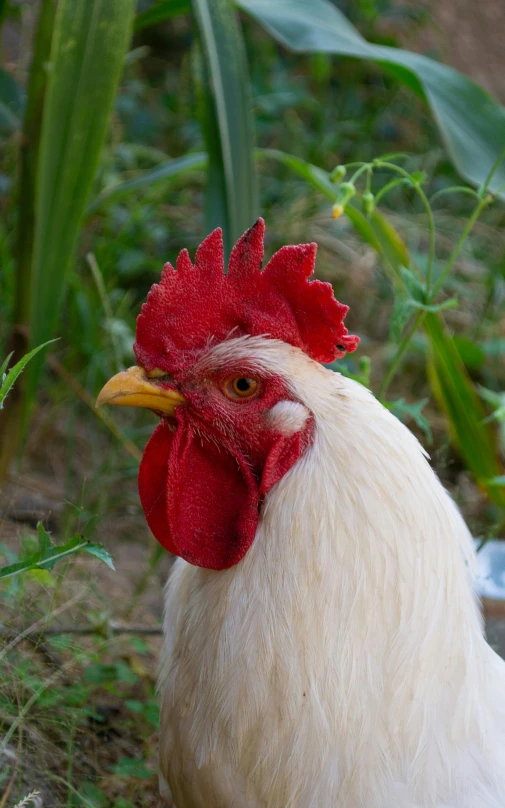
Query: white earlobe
287,417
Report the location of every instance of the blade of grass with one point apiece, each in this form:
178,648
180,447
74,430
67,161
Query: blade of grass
16,371
89,44
178,167
232,149
471,431
10,428
160,11
101,414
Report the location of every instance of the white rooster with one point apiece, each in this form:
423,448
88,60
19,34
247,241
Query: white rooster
324,647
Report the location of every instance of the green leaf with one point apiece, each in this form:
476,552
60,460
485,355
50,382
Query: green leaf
471,122
413,285
494,347
473,435
160,11
497,481
171,169
451,303
404,411
11,103
472,354
496,400
100,552
129,767
44,538
317,177
48,554
399,317
44,560
134,705
3,367
229,139
89,43
104,673
8,382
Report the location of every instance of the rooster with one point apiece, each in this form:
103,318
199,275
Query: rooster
323,645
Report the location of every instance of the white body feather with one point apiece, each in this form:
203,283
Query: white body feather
342,662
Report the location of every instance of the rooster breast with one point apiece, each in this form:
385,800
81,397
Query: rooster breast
341,663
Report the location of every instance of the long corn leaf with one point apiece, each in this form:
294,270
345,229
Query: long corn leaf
228,133
471,122
89,44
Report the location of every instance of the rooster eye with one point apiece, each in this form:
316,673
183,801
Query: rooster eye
159,375
240,387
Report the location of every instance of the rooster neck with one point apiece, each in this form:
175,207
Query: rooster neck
349,626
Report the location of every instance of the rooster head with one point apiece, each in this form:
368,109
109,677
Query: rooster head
230,428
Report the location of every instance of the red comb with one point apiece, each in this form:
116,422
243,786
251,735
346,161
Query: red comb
199,304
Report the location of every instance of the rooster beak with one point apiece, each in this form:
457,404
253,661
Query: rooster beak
132,388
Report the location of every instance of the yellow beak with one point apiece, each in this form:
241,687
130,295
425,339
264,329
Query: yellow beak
132,388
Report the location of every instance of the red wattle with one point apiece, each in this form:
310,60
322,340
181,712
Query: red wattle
200,499
199,494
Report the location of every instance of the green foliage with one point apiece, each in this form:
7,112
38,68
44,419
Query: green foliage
467,416
160,11
10,103
405,411
88,48
8,379
179,167
130,767
471,123
407,243
225,117
48,554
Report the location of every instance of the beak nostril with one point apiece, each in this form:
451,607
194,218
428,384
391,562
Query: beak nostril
132,388
159,375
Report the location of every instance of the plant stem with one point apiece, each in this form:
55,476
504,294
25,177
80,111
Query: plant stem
427,207
416,322
492,172
457,249
12,415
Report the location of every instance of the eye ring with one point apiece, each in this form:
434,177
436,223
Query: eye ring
241,388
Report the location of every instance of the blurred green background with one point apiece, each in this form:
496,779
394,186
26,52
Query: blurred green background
127,132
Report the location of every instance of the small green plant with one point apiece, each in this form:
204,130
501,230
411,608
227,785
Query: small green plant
9,378
419,306
47,554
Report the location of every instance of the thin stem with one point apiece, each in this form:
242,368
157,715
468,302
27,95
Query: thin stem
455,189
388,187
109,314
368,186
88,399
427,207
357,174
416,322
491,174
460,243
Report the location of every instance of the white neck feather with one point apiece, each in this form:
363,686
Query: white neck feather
350,626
